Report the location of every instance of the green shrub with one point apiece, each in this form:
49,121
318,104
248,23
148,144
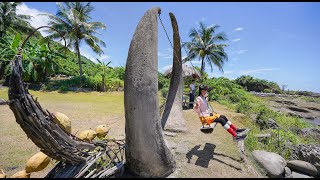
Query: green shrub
164,92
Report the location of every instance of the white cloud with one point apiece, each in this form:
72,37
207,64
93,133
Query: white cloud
241,51
228,72
165,68
239,29
166,54
236,40
36,20
88,53
255,71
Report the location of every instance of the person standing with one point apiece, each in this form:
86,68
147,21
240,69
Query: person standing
192,94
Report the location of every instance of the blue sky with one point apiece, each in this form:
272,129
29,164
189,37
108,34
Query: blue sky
268,40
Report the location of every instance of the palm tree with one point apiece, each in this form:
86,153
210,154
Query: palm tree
9,18
73,21
203,45
103,67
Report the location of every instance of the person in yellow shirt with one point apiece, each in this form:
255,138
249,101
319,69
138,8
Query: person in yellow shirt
207,116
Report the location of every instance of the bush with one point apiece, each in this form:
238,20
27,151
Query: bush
164,92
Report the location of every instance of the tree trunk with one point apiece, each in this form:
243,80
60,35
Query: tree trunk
79,59
202,66
146,154
172,117
103,84
45,75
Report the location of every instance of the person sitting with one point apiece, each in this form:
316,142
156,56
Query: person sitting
204,112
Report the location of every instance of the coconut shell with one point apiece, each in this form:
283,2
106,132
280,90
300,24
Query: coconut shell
21,174
62,120
2,174
37,162
87,135
102,130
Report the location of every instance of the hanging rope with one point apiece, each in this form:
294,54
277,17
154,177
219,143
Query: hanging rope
174,52
172,45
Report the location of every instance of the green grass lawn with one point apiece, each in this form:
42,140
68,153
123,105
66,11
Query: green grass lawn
85,110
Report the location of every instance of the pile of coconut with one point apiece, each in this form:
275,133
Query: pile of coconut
40,160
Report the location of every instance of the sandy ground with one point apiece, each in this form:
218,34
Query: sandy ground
213,155
196,154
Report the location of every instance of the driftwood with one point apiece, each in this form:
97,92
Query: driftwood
39,125
77,158
104,162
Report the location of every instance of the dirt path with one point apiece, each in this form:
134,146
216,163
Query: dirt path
209,155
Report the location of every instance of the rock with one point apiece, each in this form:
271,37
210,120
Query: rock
266,124
172,134
37,162
272,124
263,137
303,167
62,120
87,135
287,172
102,130
273,163
21,174
309,153
307,132
299,175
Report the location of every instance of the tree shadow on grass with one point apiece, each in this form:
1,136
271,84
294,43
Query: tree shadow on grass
207,154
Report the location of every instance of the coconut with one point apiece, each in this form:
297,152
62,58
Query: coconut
2,174
87,135
21,174
102,130
37,162
62,120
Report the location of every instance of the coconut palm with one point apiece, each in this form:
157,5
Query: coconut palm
103,67
203,45
9,18
73,21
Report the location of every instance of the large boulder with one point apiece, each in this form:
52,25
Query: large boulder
273,163
87,135
37,162
307,152
21,174
302,166
62,120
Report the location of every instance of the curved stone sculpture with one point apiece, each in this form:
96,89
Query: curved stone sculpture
146,153
172,117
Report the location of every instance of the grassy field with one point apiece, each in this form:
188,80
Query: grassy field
214,155
85,110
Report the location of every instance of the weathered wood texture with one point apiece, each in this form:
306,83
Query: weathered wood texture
38,124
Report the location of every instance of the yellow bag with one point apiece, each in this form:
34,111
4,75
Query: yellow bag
209,119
